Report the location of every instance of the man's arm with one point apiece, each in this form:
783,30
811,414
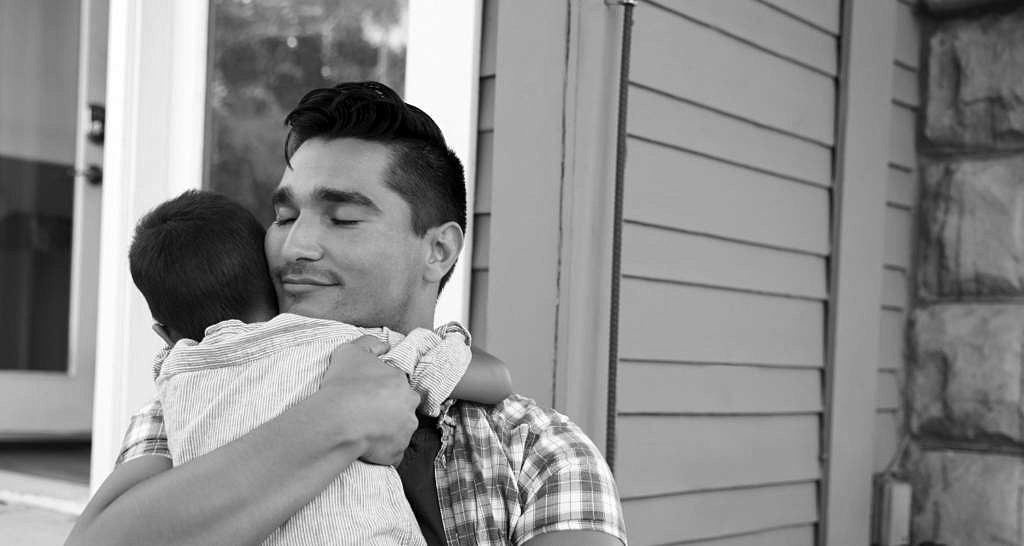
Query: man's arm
573,538
242,491
441,365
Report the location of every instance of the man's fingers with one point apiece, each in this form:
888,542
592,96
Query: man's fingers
372,344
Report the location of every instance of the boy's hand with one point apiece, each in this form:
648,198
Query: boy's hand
376,400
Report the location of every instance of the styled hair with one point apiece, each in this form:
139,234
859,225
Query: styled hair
198,259
423,171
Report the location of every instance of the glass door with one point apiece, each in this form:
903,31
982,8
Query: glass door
52,78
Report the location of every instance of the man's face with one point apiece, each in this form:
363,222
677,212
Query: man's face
342,246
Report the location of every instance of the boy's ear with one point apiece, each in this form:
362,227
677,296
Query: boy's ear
445,243
164,333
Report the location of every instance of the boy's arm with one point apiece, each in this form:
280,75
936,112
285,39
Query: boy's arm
441,365
241,492
487,379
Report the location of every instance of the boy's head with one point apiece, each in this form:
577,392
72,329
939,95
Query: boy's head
198,259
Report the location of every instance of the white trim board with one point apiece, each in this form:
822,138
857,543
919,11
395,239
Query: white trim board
441,78
156,96
861,168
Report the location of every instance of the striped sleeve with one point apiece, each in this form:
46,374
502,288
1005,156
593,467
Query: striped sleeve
146,434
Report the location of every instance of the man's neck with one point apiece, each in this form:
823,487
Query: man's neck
408,323
260,313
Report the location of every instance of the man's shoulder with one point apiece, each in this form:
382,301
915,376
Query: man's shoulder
521,420
517,410
550,463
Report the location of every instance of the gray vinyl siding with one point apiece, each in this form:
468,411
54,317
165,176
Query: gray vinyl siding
900,222
484,167
726,243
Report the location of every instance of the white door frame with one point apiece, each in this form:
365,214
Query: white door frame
156,106
442,67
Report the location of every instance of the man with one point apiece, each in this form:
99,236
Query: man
370,216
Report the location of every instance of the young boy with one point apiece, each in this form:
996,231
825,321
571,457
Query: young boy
231,364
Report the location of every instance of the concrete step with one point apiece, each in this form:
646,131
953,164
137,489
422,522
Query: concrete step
22,525
38,511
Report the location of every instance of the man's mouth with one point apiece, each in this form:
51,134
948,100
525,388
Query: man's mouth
304,280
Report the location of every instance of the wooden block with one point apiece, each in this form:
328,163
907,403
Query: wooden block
677,518
685,191
646,387
693,324
684,59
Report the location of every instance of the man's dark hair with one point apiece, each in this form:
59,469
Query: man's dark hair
198,259
424,171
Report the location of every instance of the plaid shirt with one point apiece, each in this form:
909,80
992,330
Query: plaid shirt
505,473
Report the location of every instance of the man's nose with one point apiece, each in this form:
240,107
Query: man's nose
303,241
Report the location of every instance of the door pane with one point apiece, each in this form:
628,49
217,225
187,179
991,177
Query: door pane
265,55
38,114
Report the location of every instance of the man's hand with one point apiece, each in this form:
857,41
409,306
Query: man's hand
375,397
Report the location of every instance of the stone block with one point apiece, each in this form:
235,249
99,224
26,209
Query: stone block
951,6
975,83
972,238
966,498
964,382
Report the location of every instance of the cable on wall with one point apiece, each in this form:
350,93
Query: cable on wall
620,172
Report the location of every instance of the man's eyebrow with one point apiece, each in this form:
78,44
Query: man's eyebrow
282,196
341,197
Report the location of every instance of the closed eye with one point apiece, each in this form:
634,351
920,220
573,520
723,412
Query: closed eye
284,214
337,222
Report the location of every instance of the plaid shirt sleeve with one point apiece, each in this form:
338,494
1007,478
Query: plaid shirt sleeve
146,434
567,486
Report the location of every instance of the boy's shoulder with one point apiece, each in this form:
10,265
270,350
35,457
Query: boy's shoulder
233,341
228,331
281,328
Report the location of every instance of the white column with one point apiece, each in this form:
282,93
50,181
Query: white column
156,94
587,216
441,78
862,152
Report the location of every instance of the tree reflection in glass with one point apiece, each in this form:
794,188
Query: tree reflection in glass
265,54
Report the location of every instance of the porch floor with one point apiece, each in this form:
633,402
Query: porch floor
24,524
43,486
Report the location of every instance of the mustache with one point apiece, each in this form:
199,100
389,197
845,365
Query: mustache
306,271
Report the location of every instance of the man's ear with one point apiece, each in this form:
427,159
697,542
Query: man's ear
445,243
164,333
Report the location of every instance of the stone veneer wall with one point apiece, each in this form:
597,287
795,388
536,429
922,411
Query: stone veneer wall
966,378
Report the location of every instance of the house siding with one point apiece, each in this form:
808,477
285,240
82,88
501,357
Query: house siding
726,245
479,285
900,223
726,253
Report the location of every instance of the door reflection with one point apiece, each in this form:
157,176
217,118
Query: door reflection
38,94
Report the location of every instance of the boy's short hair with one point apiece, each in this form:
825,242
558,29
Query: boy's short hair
198,259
